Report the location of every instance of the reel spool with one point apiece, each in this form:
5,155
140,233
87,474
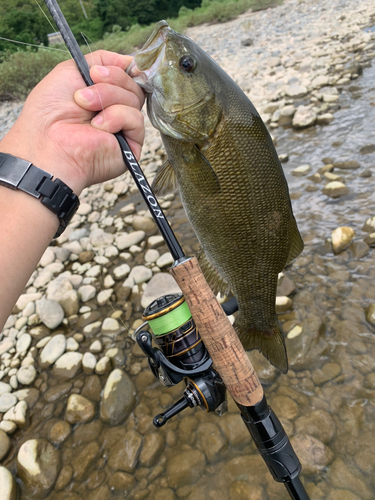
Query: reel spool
180,355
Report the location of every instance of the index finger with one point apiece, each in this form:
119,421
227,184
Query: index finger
106,58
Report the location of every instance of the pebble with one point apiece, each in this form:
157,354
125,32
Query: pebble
79,409
4,388
160,284
302,170
26,375
72,344
8,485
140,274
121,272
8,427
283,304
118,398
59,432
341,238
312,453
4,444
7,401
23,343
335,189
124,240
88,363
53,349
103,365
68,365
86,292
50,313
17,414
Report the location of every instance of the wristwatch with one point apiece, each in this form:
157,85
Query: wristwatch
16,173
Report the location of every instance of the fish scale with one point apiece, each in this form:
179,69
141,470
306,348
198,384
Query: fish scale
232,185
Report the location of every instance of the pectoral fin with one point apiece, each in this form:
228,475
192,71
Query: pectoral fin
216,282
206,178
165,181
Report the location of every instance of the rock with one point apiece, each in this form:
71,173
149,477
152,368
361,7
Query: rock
151,256
8,485
8,427
86,256
52,350
185,468
335,189
153,447
88,363
370,240
30,396
26,298
285,286
4,388
7,401
124,240
72,344
83,461
246,42
325,119
143,223
64,478
346,165
84,209
68,365
341,238
121,481
103,365
86,292
125,452
301,170
4,444
283,304
304,117
313,454
285,406
38,465
140,274
92,388
341,476
17,414
242,490
295,91
26,375
79,409
50,313
104,296
23,343
155,241
211,442
359,249
317,423
160,284
370,314
96,347
342,495
6,345
59,432
118,398
369,226
121,272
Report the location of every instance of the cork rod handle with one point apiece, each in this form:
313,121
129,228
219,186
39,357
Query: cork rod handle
228,355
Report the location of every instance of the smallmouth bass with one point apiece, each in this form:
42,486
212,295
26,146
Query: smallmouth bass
222,159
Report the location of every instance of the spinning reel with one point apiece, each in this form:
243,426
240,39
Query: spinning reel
180,355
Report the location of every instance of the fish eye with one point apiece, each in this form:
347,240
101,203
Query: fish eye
187,63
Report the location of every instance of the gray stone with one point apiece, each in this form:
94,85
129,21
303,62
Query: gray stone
103,365
79,409
118,398
125,452
4,388
313,454
50,313
125,240
369,226
6,345
165,260
17,414
26,375
54,348
30,396
143,223
8,485
160,284
68,365
140,274
88,363
86,292
335,189
346,165
121,272
185,468
7,401
23,343
38,465
304,117
341,238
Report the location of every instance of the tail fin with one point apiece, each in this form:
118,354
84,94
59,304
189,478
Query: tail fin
269,342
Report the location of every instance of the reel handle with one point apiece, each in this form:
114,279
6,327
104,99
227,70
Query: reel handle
218,335
162,418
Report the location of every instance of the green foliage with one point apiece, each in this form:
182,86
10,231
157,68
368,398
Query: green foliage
24,69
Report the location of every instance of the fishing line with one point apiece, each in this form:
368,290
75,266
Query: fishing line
34,45
52,26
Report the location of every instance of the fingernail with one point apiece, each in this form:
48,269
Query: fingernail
87,95
97,120
102,70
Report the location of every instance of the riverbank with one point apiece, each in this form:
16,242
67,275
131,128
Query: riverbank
76,390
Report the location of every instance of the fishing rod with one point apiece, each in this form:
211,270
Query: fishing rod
194,334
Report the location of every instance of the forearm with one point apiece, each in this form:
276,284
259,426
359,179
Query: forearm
26,229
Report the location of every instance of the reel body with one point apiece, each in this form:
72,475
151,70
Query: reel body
180,355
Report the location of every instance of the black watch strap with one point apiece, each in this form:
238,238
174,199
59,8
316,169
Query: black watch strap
16,173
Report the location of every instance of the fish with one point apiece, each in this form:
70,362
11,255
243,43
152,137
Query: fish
222,160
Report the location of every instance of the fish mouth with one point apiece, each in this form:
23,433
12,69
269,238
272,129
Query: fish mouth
150,58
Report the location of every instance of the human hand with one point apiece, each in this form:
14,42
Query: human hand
67,129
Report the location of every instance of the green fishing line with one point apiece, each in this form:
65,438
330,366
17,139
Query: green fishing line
170,321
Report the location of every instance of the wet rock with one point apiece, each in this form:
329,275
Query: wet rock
38,464
86,256
301,170
118,398
325,119
50,313
285,406
30,396
4,444
59,432
165,260
341,238
160,284
346,165
86,293
4,388
111,326
125,453
341,476
92,388
85,433
68,365
85,459
370,314
304,117
184,468
153,447
17,414
365,363
335,189
283,304
342,495
359,249
88,363
26,375
211,442
329,371
318,423
7,401
64,477
8,485
370,240
23,343
103,365
143,223
245,467
79,409
369,226
313,454
120,272
243,490
140,274
52,350
57,392
8,426
230,425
